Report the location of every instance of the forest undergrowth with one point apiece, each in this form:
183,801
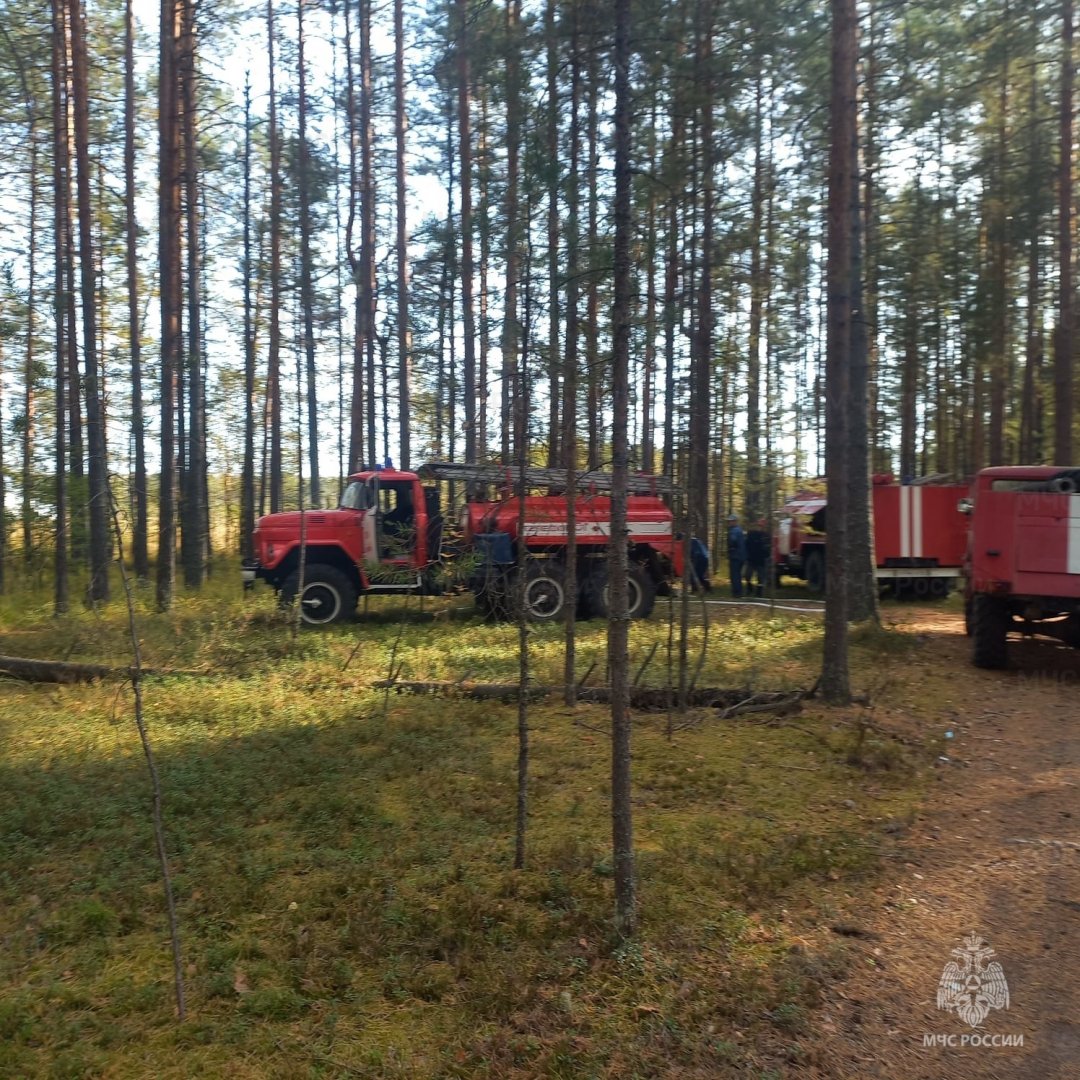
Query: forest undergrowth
342,856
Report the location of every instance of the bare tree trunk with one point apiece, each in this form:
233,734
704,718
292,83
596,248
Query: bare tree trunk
701,359
356,403
595,367
366,292
194,539
998,240
512,438
648,373
247,477
140,528
61,207
671,289
1063,338
404,335
307,284
569,439
757,290
169,183
862,577
468,316
273,362
552,168
95,417
835,680
622,829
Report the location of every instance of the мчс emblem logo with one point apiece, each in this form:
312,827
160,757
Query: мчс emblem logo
972,984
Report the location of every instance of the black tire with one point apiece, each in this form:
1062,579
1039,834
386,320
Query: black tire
814,571
329,596
990,623
641,598
545,590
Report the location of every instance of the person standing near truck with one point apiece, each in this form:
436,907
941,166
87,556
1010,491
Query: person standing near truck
757,557
699,564
736,550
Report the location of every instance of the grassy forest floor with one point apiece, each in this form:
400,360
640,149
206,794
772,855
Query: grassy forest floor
342,857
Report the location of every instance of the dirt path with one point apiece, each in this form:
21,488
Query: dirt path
996,853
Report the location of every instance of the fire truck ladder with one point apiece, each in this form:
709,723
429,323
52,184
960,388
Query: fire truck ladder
509,476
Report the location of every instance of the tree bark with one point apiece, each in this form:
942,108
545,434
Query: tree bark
98,589
835,680
273,361
404,334
701,357
61,208
170,284
140,527
622,829
195,538
307,276
1064,336
247,472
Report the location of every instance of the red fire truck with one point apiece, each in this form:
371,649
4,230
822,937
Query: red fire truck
920,536
1023,571
386,536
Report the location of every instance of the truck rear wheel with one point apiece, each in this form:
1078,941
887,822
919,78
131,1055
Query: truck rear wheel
544,592
814,569
328,595
641,592
990,622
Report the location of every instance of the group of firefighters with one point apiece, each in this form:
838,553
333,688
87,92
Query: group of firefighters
747,555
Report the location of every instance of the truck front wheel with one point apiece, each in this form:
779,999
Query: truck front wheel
328,595
544,593
990,622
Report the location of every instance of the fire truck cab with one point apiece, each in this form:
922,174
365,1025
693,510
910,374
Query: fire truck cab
1023,565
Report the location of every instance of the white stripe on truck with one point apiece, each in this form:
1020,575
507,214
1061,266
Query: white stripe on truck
1072,565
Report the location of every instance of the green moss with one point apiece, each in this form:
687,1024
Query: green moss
343,857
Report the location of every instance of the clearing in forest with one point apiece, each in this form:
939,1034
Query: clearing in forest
342,857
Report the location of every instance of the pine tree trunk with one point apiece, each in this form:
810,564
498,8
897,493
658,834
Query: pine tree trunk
595,366
140,527
98,589
569,439
307,283
757,290
835,680
273,361
247,471
194,538
61,207
170,283
1064,335
998,240
404,335
697,487
512,438
862,577
551,120
366,291
622,829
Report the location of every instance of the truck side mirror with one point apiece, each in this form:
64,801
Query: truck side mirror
966,505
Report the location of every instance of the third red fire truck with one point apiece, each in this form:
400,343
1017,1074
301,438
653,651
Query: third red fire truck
920,536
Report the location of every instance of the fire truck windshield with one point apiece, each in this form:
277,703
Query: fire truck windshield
355,496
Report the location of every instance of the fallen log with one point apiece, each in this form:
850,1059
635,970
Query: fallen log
59,671
645,698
